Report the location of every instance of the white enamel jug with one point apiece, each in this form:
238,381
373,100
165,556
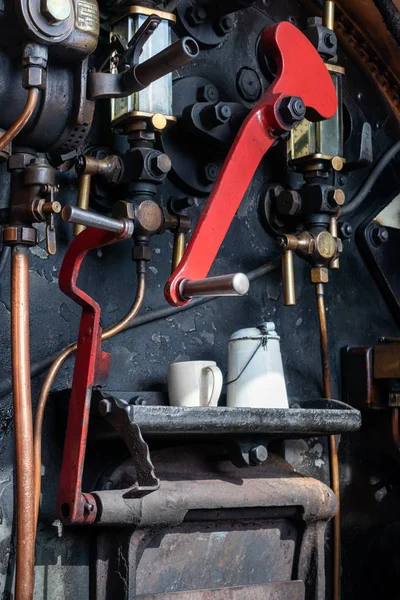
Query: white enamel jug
255,370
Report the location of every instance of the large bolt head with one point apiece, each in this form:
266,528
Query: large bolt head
211,172
288,202
56,11
336,198
292,110
248,84
195,15
258,455
207,93
161,164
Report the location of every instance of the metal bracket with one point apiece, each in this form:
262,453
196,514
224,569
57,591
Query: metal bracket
117,413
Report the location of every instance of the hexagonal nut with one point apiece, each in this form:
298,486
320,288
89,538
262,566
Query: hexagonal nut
336,198
56,11
319,275
34,77
123,210
195,15
258,455
160,164
248,84
288,202
224,25
207,93
210,172
292,110
141,253
35,54
19,161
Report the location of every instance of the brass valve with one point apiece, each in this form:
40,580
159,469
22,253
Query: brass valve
320,248
43,210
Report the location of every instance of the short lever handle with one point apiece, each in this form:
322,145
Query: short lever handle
288,283
225,285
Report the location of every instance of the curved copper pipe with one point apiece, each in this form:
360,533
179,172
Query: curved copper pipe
16,128
23,431
333,453
395,428
55,367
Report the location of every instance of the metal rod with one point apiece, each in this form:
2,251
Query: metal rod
83,199
178,250
225,285
70,214
333,230
23,431
289,290
174,56
329,14
334,460
16,128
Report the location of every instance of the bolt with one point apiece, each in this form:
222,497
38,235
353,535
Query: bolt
379,235
288,202
215,115
224,25
56,11
208,93
345,231
160,164
248,84
330,40
336,198
88,508
258,455
105,407
195,15
211,172
292,110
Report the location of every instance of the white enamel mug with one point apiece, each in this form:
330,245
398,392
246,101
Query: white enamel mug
194,383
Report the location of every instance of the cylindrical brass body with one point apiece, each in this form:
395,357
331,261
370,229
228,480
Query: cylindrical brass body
289,291
178,250
83,199
333,230
329,14
23,430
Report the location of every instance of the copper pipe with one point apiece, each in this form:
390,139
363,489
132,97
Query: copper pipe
23,432
395,428
333,453
55,367
178,250
15,129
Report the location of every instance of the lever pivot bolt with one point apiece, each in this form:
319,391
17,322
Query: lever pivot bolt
195,15
380,235
292,110
258,455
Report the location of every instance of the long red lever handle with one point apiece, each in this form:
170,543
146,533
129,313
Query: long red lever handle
302,73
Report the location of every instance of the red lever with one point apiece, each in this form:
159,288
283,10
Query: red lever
91,368
301,73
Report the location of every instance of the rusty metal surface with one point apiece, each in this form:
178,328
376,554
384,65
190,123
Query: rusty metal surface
210,525
360,389
292,590
387,361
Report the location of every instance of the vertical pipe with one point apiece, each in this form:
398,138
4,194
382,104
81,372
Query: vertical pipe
334,460
289,291
333,230
178,250
83,199
23,431
329,14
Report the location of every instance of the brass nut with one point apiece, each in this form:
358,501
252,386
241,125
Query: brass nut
34,77
326,245
336,198
337,163
20,235
141,253
158,121
319,275
56,11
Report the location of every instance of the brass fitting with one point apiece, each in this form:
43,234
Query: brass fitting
319,275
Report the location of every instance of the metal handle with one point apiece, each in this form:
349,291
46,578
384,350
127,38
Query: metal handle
289,291
70,214
225,285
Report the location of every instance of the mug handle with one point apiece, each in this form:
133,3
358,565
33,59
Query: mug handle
217,385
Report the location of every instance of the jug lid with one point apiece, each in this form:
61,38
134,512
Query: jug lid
265,330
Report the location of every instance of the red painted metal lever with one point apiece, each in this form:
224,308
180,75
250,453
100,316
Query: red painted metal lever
91,368
301,73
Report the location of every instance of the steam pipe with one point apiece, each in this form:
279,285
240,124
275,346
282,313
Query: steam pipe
23,431
16,128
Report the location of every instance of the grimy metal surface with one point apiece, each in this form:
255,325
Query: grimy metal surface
293,590
357,315
211,525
